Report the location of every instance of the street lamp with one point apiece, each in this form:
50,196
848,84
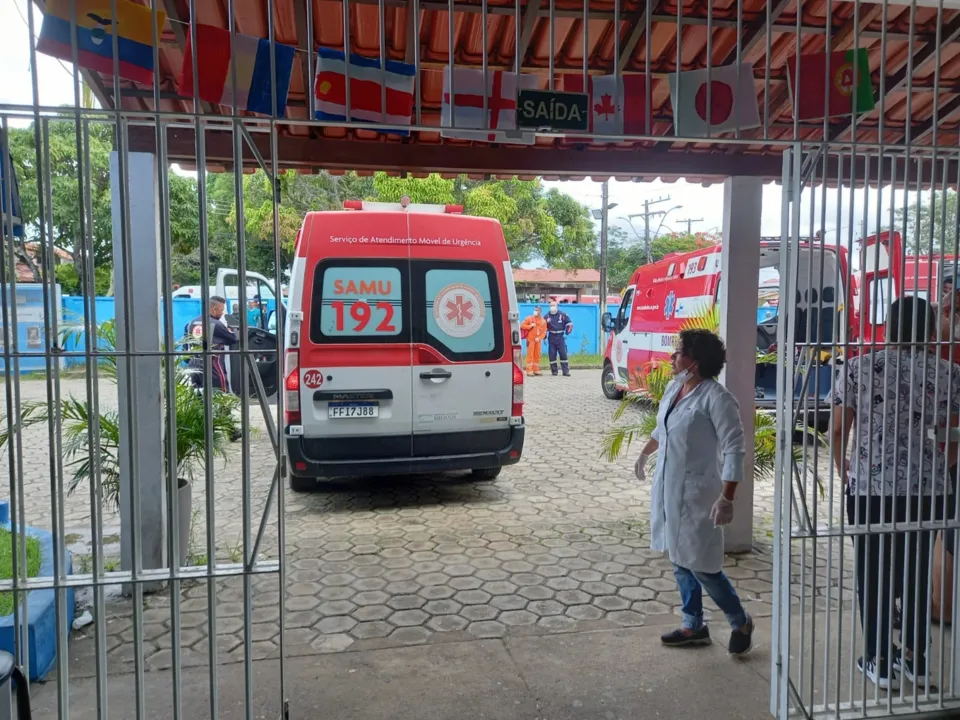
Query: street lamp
664,217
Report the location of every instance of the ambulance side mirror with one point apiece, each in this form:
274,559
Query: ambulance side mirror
606,322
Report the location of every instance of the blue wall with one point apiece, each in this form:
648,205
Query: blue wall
184,310
585,337
31,331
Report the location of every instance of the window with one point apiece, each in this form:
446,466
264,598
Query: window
877,300
460,315
359,301
454,307
623,315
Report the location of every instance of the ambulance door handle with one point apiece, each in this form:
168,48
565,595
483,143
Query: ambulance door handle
436,374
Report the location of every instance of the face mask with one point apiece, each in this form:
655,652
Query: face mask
682,376
553,311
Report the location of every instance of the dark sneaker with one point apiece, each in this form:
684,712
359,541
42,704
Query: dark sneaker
741,640
915,670
681,638
878,673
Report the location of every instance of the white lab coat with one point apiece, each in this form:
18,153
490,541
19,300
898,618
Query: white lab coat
700,448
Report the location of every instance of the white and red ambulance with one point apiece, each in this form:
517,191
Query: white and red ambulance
402,345
662,295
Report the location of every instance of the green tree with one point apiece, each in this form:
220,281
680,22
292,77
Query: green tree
663,245
926,218
536,223
432,189
69,279
623,257
66,209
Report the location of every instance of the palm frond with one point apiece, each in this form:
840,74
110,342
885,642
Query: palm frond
618,440
84,431
706,320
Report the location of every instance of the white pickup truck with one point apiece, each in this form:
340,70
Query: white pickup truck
262,323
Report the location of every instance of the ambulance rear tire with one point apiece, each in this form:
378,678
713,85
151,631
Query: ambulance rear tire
298,484
609,382
303,484
481,474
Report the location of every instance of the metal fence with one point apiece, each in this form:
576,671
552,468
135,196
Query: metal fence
864,509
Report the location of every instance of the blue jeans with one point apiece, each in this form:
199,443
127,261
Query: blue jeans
718,587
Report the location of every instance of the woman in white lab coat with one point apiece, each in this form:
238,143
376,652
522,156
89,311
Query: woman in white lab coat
699,437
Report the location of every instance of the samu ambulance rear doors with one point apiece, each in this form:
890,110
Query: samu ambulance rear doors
356,356
463,370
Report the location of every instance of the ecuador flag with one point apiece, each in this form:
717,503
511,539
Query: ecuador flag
96,28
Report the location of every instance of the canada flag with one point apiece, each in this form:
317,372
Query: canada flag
617,102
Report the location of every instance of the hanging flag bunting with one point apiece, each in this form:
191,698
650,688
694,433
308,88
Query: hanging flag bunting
617,102
828,78
733,101
367,81
251,56
11,210
96,28
467,121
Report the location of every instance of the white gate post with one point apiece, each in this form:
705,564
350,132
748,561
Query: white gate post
139,397
739,272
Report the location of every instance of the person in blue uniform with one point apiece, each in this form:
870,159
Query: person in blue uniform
219,336
254,312
559,325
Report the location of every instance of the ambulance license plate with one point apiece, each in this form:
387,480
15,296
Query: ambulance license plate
348,410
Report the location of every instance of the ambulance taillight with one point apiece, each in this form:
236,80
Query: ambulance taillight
291,386
517,409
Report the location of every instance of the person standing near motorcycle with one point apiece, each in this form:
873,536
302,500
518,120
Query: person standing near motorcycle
216,338
559,325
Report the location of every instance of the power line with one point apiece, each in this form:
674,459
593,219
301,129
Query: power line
690,222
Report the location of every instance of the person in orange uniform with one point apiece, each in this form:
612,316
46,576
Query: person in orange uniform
534,329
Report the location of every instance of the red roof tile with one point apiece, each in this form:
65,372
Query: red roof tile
703,161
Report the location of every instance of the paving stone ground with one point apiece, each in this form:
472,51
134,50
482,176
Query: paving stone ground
558,543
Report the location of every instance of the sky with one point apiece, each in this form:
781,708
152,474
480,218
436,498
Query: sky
686,200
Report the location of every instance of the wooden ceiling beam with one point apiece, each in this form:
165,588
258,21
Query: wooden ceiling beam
636,23
531,14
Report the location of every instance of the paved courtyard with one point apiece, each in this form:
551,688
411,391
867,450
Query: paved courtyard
557,544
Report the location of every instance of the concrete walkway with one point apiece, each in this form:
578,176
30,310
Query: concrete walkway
609,675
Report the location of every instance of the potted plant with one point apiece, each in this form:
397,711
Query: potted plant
191,447
653,381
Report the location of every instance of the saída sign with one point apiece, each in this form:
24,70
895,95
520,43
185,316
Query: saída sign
546,110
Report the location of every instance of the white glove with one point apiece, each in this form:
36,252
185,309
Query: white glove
722,512
640,467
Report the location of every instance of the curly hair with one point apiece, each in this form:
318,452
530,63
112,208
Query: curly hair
706,349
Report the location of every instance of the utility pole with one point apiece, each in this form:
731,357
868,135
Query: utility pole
690,222
647,212
604,212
